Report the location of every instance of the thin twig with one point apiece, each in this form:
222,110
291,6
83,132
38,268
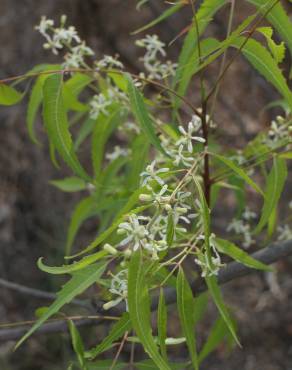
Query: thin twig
36,292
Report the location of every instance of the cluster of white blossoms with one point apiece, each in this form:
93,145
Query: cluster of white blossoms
119,288
155,49
117,153
284,233
182,150
242,227
213,266
280,130
64,37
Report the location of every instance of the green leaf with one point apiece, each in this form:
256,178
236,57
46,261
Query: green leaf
170,230
36,98
101,133
185,305
204,16
77,344
239,171
68,269
83,210
79,282
162,324
277,50
215,337
71,90
34,103
116,332
275,184
142,116
139,308
215,292
8,95
70,184
278,17
84,132
265,64
167,13
226,247
57,124
187,71
140,150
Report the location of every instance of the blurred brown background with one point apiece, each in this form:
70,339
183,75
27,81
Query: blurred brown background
34,215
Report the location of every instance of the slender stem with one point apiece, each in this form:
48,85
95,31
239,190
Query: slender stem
250,33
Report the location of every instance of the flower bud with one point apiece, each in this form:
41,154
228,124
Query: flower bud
128,253
145,198
110,249
167,207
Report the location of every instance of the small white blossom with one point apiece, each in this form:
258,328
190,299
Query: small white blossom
152,174
153,46
284,233
242,228
117,152
208,267
119,287
187,136
248,214
98,105
44,26
135,232
279,130
109,61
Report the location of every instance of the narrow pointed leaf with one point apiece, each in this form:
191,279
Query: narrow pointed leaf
77,344
70,184
185,305
215,292
275,184
68,269
239,171
278,17
142,116
56,123
139,308
116,332
226,247
162,324
8,95
166,14
79,282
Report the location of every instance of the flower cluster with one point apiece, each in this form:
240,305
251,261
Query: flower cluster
155,49
242,227
280,130
209,266
64,37
119,287
284,233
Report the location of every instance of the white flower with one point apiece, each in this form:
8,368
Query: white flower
279,130
66,36
135,232
44,26
284,233
109,61
118,152
119,287
208,267
153,46
188,137
98,105
242,228
76,58
248,214
151,174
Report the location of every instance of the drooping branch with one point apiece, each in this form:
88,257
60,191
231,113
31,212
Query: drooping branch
233,270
